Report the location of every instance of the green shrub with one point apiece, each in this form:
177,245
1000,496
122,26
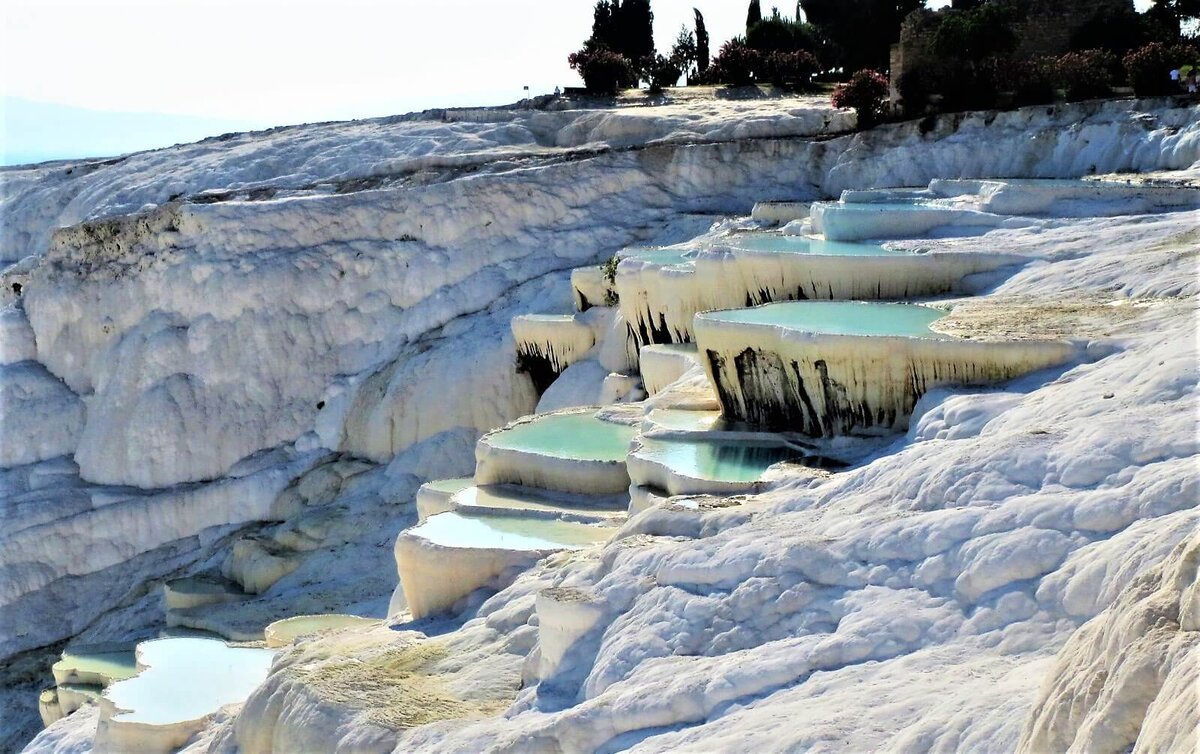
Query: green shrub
790,67
603,71
735,64
1030,82
662,72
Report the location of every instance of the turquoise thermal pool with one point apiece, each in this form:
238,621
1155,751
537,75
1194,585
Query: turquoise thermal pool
187,678
506,532
511,499
94,667
779,243
726,462
840,318
449,486
576,436
660,256
283,632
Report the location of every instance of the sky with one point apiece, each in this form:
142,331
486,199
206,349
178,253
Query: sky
67,66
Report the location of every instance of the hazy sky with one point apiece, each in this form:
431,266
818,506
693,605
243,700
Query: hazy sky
294,60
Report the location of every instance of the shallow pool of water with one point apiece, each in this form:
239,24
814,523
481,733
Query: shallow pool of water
660,256
580,437
513,498
509,532
779,243
450,486
186,679
290,629
841,318
113,665
726,462
683,420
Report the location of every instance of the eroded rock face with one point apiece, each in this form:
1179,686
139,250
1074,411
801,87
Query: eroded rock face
1127,680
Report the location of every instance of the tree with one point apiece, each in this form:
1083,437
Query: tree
624,28
637,29
1174,15
976,34
753,15
861,31
702,53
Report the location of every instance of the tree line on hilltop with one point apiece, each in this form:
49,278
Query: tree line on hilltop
973,58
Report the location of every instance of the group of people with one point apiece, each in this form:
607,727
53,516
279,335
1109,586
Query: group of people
1187,77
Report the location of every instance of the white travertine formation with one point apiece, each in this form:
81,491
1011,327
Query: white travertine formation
663,364
256,564
779,213
565,615
825,384
549,343
195,591
591,287
1127,680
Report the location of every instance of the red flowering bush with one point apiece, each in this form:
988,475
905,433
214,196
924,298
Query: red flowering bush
1087,74
867,93
1148,68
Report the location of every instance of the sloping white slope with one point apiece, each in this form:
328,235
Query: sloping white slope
915,603
201,334
325,157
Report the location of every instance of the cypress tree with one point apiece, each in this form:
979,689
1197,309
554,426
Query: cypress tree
702,54
753,14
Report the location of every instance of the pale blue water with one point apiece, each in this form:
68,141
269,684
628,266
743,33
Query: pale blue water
450,486
683,420
548,317
509,532
840,318
114,665
187,678
580,437
776,242
660,256
512,498
726,462
290,629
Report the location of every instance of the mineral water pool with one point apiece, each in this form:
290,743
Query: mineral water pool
509,532
512,499
840,318
660,256
289,629
114,665
449,486
577,436
779,243
682,420
186,679
725,462
548,318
